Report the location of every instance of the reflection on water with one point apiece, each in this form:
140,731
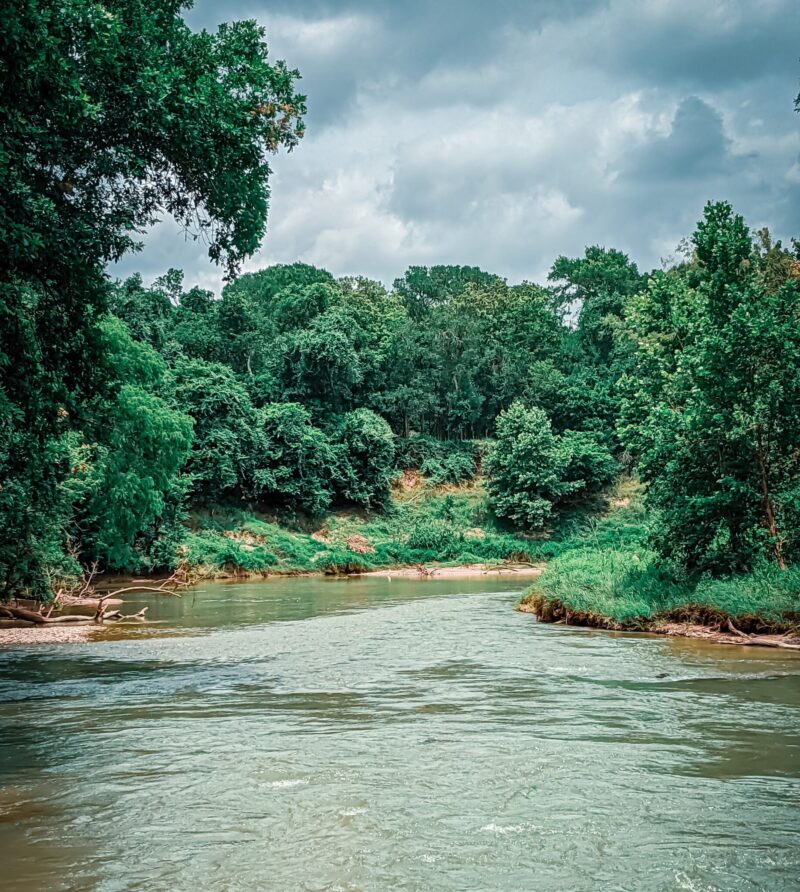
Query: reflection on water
313,734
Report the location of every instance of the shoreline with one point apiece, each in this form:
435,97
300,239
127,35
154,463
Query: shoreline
556,613
465,571
19,633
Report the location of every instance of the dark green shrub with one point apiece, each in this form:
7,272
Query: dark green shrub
440,461
366,457
294,463
590,464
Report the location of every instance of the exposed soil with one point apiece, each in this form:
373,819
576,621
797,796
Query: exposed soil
720,630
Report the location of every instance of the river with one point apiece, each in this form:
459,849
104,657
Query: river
374,734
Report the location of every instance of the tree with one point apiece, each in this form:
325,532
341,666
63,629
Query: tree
319,365
716,418
225,429
126,470
295,464
590,466
366,463
592,290
148,313
111,115
423,288
525,467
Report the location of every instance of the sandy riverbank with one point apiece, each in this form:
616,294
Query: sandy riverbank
462,572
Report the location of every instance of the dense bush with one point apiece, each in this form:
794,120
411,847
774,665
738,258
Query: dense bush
225,429
366,457
590,465
294,464
440,461
525,467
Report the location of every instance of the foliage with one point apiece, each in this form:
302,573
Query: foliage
111,115
594,288
295,464
366,457
440,461
628,589
433,526
526,467
436,536
225,429
713,405
590,465
423,289
128,475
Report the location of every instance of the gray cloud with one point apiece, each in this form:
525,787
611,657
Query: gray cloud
504,134
695,147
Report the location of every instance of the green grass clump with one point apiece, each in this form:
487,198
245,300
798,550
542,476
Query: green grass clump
437,537
605,575
209,549
627,590
342,561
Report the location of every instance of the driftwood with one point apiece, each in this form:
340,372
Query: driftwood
40,619
765,640
118,614
170,586
425,572
512,567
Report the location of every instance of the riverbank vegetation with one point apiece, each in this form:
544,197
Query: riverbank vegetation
609,576
301,422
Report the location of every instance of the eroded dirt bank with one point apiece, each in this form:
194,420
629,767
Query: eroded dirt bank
720,629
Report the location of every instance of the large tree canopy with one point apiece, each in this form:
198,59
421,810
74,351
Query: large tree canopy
713,405
111,115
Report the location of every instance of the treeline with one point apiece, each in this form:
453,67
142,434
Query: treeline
296,392
122,406
303,391
440,354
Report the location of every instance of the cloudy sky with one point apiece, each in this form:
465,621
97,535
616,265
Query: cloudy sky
503,133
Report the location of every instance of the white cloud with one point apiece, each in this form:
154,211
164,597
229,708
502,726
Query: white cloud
540,136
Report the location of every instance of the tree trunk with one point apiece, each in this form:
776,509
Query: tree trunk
31,616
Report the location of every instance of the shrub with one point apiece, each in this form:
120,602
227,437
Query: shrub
441,461
366,457
295,463
525,467
589,463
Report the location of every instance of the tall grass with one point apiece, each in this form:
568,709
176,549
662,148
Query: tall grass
606,576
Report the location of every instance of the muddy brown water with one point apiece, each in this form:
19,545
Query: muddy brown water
375,734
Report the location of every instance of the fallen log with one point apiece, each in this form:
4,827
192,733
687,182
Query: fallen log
764,640
32,616
117,615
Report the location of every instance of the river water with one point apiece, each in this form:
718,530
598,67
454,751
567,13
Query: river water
313,734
